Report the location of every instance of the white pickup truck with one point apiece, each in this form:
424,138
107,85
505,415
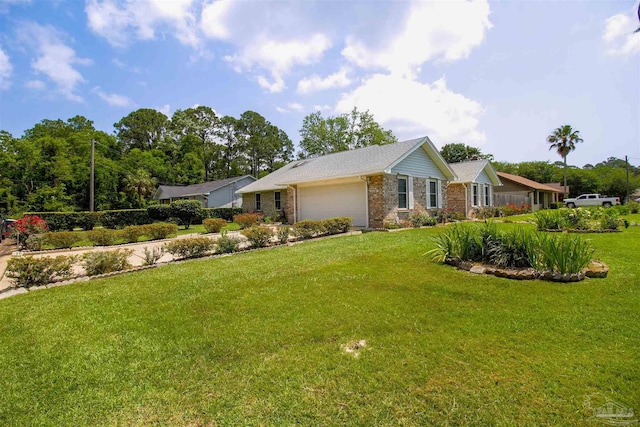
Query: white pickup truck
591,200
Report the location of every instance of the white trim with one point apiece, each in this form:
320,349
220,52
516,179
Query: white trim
439,193
410,192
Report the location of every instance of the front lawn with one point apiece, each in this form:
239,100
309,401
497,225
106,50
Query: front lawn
259,339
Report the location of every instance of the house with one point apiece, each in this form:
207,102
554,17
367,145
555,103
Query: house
560,187
474,187
213,194
372,185
518,190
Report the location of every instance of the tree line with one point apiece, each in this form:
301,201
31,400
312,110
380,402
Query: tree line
48,168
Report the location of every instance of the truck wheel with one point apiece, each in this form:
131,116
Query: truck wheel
606,204
571,205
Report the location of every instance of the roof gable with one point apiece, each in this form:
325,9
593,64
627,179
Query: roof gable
362,161
476,171
173,191
526,182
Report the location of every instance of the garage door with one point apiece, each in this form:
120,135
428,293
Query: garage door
327,201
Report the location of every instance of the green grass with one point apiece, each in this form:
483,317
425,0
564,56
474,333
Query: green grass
257,339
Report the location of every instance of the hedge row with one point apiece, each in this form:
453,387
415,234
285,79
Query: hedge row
61,221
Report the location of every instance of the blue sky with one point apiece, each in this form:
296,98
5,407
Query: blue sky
497,75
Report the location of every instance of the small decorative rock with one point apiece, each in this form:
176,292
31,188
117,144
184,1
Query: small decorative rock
596,270
477,269
465,265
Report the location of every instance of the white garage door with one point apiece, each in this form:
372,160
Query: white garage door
328,201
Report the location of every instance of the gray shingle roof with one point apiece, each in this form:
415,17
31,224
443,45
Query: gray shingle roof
361,161
173,191
469,171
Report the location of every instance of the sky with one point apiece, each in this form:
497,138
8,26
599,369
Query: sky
500,76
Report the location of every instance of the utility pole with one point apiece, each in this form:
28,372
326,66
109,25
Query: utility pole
626,166
91,179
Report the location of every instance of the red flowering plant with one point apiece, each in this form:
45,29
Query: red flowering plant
26,226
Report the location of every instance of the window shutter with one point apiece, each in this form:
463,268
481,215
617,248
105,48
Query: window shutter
410,191
439,192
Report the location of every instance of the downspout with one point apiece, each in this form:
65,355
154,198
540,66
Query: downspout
295,203
366,205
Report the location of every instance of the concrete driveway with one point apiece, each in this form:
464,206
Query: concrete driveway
8,249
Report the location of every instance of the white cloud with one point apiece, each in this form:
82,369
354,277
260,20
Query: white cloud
279,57
35,85
411,108
122,22
6,69
316,83
291,106
114,99
54,59
322,108
619,35
214,19
166,109
433,31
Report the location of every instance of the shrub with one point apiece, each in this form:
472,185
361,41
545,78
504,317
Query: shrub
62,239
106,262
159,212
103,236
191,247
214,225
578,219
609,220
622,209
225,213
27,226
35,242
509,249
555,205
59,221
336,225
307,229
122,218
152,256
227,244
549,220
29,271
186,211
563,253
421,219
258,237
283,234
159,230
131,233
634,207
488,212
510,209
246,220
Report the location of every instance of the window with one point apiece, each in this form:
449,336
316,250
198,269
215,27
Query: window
487,196
258,202
474,199
276,199
402,193
433,194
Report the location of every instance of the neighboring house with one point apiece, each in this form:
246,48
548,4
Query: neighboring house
518,190
213,194
560,187
372,185
474,187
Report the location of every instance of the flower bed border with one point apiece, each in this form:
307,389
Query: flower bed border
595,270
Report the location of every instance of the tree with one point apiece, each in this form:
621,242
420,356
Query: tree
320,136
564,140
229,134
202,122
186,211
459,152
139,184
262,143
143,129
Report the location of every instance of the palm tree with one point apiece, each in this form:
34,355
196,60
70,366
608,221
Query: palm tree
139,184
564,140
